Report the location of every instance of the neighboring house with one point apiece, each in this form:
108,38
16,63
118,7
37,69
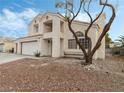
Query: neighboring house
6,44
109,47
49,34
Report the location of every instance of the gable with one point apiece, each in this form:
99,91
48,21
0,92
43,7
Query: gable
46,16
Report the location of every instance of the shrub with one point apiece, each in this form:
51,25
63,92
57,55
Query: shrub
37,54
11,50
116,51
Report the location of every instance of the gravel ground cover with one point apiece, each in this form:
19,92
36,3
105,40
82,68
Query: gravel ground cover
62,74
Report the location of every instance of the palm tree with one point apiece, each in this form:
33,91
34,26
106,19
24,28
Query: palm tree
121,41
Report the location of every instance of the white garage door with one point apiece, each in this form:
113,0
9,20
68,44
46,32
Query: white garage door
29,48
1,47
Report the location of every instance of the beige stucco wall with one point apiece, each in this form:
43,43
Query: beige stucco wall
26,39
79,27
101,24
60,38
8,45
39,21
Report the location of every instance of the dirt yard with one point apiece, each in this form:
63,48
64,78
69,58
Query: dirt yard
62,74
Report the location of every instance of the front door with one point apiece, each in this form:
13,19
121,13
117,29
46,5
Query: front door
50,47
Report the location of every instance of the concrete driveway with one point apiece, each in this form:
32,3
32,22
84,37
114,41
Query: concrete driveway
5,57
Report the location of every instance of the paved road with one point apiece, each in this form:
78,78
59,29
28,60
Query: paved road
5,58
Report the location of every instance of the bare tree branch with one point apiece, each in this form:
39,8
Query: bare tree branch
81,2
87,11
92,22
91,19
106,28
89,5
73,32
71,12
89,54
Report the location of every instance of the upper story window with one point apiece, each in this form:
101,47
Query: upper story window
61,26
36,28
48,26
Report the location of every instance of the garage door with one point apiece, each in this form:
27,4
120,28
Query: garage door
1,47
29,48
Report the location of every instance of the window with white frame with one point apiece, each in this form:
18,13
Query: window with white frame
72,44
84,42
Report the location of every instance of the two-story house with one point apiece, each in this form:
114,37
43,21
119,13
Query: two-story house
49,34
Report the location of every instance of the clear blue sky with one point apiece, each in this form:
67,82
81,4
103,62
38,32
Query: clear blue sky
15,15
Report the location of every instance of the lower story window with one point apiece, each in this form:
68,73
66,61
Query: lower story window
84,42
72,44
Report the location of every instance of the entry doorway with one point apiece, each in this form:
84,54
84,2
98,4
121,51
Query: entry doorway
47,50
50,47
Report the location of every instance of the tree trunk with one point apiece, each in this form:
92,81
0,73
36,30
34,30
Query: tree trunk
88,60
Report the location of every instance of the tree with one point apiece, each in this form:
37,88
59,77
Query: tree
108,40
88,55
121,41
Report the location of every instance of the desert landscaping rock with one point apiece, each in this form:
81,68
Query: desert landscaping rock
62,74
